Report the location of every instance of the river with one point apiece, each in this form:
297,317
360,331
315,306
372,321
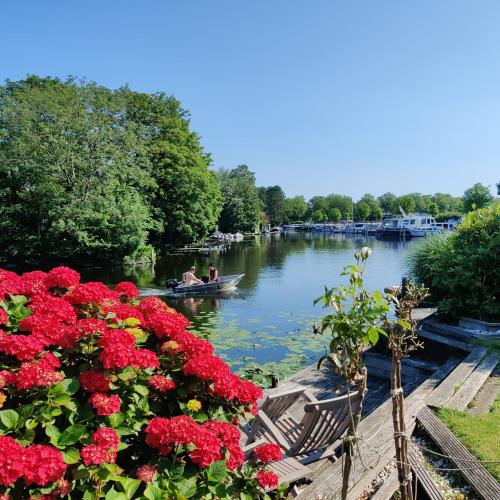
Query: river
269,320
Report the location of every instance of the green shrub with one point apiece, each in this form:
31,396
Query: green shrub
461,269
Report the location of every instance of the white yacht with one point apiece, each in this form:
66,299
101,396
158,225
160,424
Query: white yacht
406,226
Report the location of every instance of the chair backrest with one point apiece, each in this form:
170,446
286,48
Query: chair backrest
324,422
277,403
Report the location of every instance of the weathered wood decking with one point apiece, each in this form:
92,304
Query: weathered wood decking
476,475
377,444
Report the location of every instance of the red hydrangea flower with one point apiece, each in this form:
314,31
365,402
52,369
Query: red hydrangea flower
230,438
23,347
205,367
62,277
4,317
144,358
105,405
33,282
151,304
7,378
94,381
43,464
146,473
268,453
267,479
93,454
161,383
127,288
92,292
91,326
116,339
54,308
122,312
106,437
39,373
165,324
11,460
10,283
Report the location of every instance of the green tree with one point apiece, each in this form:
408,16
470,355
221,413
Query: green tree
478,196
407,203
334,215
242,208
361,211
275,205
186,201
433,209
72,172
319,216
295,208
375,209
388,203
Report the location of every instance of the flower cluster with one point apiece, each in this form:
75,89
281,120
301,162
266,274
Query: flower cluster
93,377
37,464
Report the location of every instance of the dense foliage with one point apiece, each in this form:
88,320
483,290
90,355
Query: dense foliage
104,395
90,172
242,209
462,269
478,196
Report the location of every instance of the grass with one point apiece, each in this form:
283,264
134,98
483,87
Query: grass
480,434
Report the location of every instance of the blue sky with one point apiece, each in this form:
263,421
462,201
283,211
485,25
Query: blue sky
318,96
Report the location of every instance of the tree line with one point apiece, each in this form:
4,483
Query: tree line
242,210
90,173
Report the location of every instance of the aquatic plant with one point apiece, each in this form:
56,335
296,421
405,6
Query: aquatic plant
104,395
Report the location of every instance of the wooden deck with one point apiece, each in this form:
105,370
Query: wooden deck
377,445
484,484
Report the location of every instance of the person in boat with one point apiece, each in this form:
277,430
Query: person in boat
189,278
213,274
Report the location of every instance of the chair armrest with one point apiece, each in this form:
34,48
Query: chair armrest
249,448
269,431
309,396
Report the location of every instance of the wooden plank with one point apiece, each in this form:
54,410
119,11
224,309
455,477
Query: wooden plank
466,392
423,478
448,387
483,483
377,446
442,339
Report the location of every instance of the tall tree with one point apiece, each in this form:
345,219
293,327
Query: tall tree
375,210
242,209
295,208
72,172
361,211
406,203
388,203
478,196
275,204
186,201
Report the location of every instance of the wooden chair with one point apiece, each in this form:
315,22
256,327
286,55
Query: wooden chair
277,402
322,424
289,470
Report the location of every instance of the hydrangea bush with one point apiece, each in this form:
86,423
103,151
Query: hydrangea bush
103,395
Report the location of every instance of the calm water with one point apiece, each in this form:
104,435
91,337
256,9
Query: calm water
269,319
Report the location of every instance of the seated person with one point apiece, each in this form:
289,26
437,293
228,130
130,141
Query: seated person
213,273
188,278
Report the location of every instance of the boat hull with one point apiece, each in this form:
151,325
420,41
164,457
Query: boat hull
223,284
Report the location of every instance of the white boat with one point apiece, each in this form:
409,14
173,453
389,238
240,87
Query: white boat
223,284
427,230
398,227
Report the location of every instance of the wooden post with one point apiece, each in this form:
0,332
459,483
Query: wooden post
350,439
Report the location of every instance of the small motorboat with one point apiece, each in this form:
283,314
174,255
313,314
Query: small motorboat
223,284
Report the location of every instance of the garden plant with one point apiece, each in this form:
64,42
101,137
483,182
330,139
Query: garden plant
103,395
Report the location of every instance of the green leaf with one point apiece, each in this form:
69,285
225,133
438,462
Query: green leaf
129,486
71,456
373,335
9,418
152,492
70,385
71,435
112,494
187,487
141,389
115,419
217,471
